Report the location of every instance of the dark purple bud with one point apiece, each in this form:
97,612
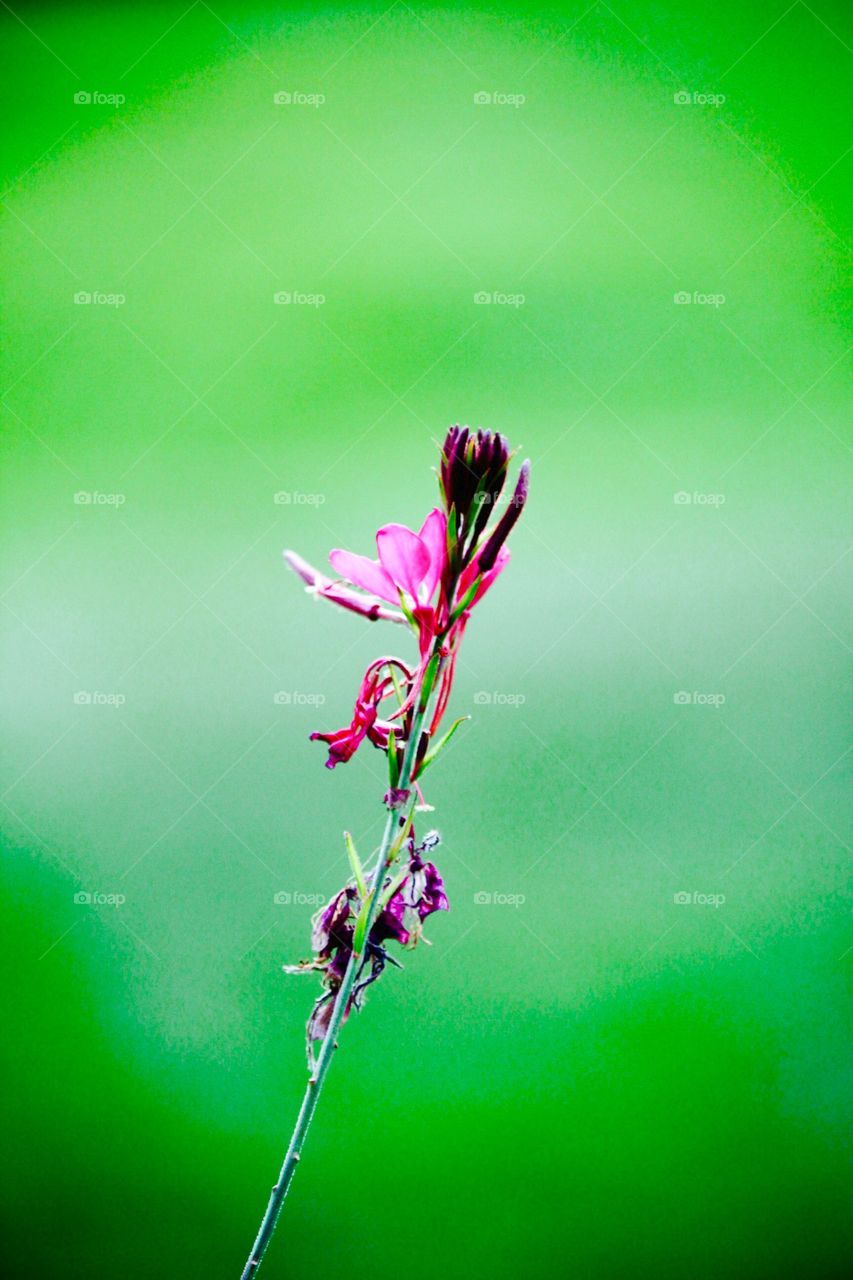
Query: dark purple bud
473,470
488,555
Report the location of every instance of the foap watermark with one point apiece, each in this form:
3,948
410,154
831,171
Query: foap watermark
295,698
98,899
494,298
293,298
497,98
94,498
297,98
500,500
486,899
497,698
98,99
694,499
695,698
696,899
296,498
97,298
97,698
296,898
684,98
686,298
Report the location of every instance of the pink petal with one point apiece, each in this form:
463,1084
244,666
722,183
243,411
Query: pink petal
501,562
365,573
466,580
433,535
403,556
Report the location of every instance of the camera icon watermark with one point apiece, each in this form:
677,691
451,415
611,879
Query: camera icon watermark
99,899
296,898
296,98
96,698
496,98
694,698
97,298
293,298
685,298
94,498
487,899
685,499
495,298
295,498
696,899
97,99
501,500
293,698
498,698
684,98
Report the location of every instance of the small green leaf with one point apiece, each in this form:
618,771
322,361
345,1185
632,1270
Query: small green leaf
467,598
451,530
361,927
393,763
407,611
440,745
402,837
429,679
355,863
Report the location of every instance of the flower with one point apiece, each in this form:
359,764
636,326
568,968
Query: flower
426,891
319,585
410,564
400,920
343,743
430,580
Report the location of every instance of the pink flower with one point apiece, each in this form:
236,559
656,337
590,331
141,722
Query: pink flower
319,585
430,580
471,572
343,743
409,563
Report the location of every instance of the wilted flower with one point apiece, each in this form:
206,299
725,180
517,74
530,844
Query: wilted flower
343,743
413,897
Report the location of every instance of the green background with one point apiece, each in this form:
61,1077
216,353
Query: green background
599,1081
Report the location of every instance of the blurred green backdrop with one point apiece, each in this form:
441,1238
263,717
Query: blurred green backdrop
603,1079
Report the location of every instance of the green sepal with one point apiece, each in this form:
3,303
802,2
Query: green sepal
451,527
467,598
452,534
361,927
440,745
402,837
429,679
393,763
355,863
410,618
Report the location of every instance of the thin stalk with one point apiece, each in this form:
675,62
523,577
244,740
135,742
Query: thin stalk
324,1058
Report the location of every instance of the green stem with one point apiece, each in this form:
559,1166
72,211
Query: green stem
324,1058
